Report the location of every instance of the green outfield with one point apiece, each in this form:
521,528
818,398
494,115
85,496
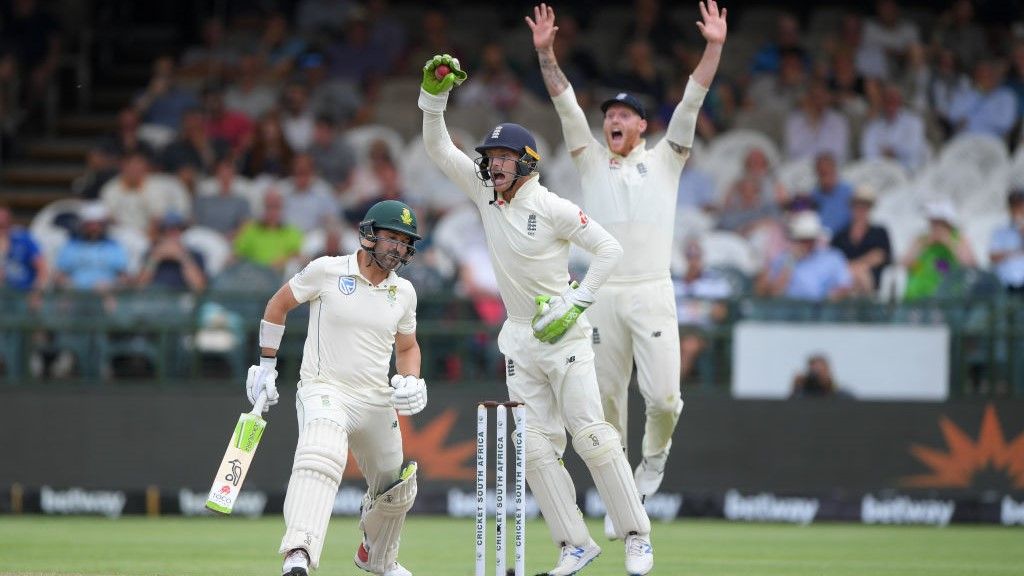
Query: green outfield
443,546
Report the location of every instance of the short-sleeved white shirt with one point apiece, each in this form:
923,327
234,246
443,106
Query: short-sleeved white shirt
352,325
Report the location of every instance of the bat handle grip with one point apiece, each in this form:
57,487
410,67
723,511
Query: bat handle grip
261,400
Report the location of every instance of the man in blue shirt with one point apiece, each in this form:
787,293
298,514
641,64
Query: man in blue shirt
1006,248
91,260
831,195
24,266
808,270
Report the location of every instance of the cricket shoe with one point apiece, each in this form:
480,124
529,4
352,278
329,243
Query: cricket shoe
639,555
609,528
574,558
362,560
650,473
296,563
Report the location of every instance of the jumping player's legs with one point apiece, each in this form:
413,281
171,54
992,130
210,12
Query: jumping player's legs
613,357
656,349
377,447
320,459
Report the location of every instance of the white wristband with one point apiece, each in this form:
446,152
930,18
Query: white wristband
270,334
435,103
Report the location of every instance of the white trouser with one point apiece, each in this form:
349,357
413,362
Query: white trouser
637,322
330,423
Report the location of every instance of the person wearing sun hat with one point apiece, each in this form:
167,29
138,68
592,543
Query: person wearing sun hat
807,270
937,255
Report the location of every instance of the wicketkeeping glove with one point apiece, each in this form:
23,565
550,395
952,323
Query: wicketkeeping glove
262,376
454,77
557,314
409,395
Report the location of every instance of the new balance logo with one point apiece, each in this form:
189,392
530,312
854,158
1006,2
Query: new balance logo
570,359
656,334
531,225
510,368
596,337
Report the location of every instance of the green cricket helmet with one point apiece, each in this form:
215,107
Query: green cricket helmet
389,215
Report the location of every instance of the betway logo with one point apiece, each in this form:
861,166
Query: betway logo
1012,512
79,501
904,510
249,503
770,508
348,501
463,504
661,506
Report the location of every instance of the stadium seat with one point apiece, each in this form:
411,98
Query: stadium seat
362,137
425,184
726,153
979,229
901,213
987,153
881,174
965,184
214,247
61,214
727,249
798,176
156,136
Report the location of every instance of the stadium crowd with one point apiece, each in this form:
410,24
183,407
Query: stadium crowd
843,153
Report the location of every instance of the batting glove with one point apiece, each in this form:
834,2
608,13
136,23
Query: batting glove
557,314
262,376
454,77
409,395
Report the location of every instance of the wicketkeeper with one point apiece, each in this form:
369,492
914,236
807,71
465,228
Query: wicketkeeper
550,363
361,309
632,190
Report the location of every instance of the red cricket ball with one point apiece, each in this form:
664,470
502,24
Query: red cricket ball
441,71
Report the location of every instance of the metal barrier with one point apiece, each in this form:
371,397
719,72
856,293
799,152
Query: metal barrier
175,339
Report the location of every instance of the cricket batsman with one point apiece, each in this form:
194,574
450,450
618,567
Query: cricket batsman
632,190
361,309
549,360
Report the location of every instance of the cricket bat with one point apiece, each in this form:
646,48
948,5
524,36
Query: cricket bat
237,458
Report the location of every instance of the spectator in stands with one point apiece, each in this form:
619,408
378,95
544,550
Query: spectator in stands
831,194
298,118
314,17
23,265
33,37
389,187
139,198
768,58
333,157
945,81
223,201
91,260
386,31
214,58
575,60
745,208
816,127
854,95
697,190
269,241
700,295
887,39
640,73
897,133
164,101
432,38
934,258
986,106
958,31
169,264
648,22
366,179
808,270
779,93
126,138
866,246
232,127
817,381
10,107
758,168
101,164
270,154
195,145
356,58
1006,248
278,49
495,85
1015,78
309,201
340,99
248,94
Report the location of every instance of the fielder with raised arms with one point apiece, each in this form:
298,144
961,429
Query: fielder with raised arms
632,191
549,360
361,310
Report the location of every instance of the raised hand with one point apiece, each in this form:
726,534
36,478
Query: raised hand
453,77
543,26
713,27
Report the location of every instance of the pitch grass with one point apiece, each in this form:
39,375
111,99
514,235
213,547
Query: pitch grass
436,546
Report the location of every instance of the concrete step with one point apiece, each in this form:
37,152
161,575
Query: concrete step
113,99
88,124
32,174
27,201
60,149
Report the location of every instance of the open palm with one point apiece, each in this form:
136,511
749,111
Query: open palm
713,27
543,26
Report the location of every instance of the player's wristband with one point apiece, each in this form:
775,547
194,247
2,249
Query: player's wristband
430,103
270,334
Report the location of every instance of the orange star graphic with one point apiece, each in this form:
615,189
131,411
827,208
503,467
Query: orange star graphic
427,447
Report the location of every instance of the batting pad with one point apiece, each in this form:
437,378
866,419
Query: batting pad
554,491
383,517
316,473
599,446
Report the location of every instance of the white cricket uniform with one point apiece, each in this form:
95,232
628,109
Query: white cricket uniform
343,381
528,240
634,315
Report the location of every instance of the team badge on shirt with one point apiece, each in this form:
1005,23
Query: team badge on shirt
614,163
393,293
641,168
347,284
583,219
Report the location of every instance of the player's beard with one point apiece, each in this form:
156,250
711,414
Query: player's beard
386,259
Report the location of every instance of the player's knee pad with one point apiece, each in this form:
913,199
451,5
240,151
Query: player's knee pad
597,443
382,519
553,490
540,450
322,448
672,405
